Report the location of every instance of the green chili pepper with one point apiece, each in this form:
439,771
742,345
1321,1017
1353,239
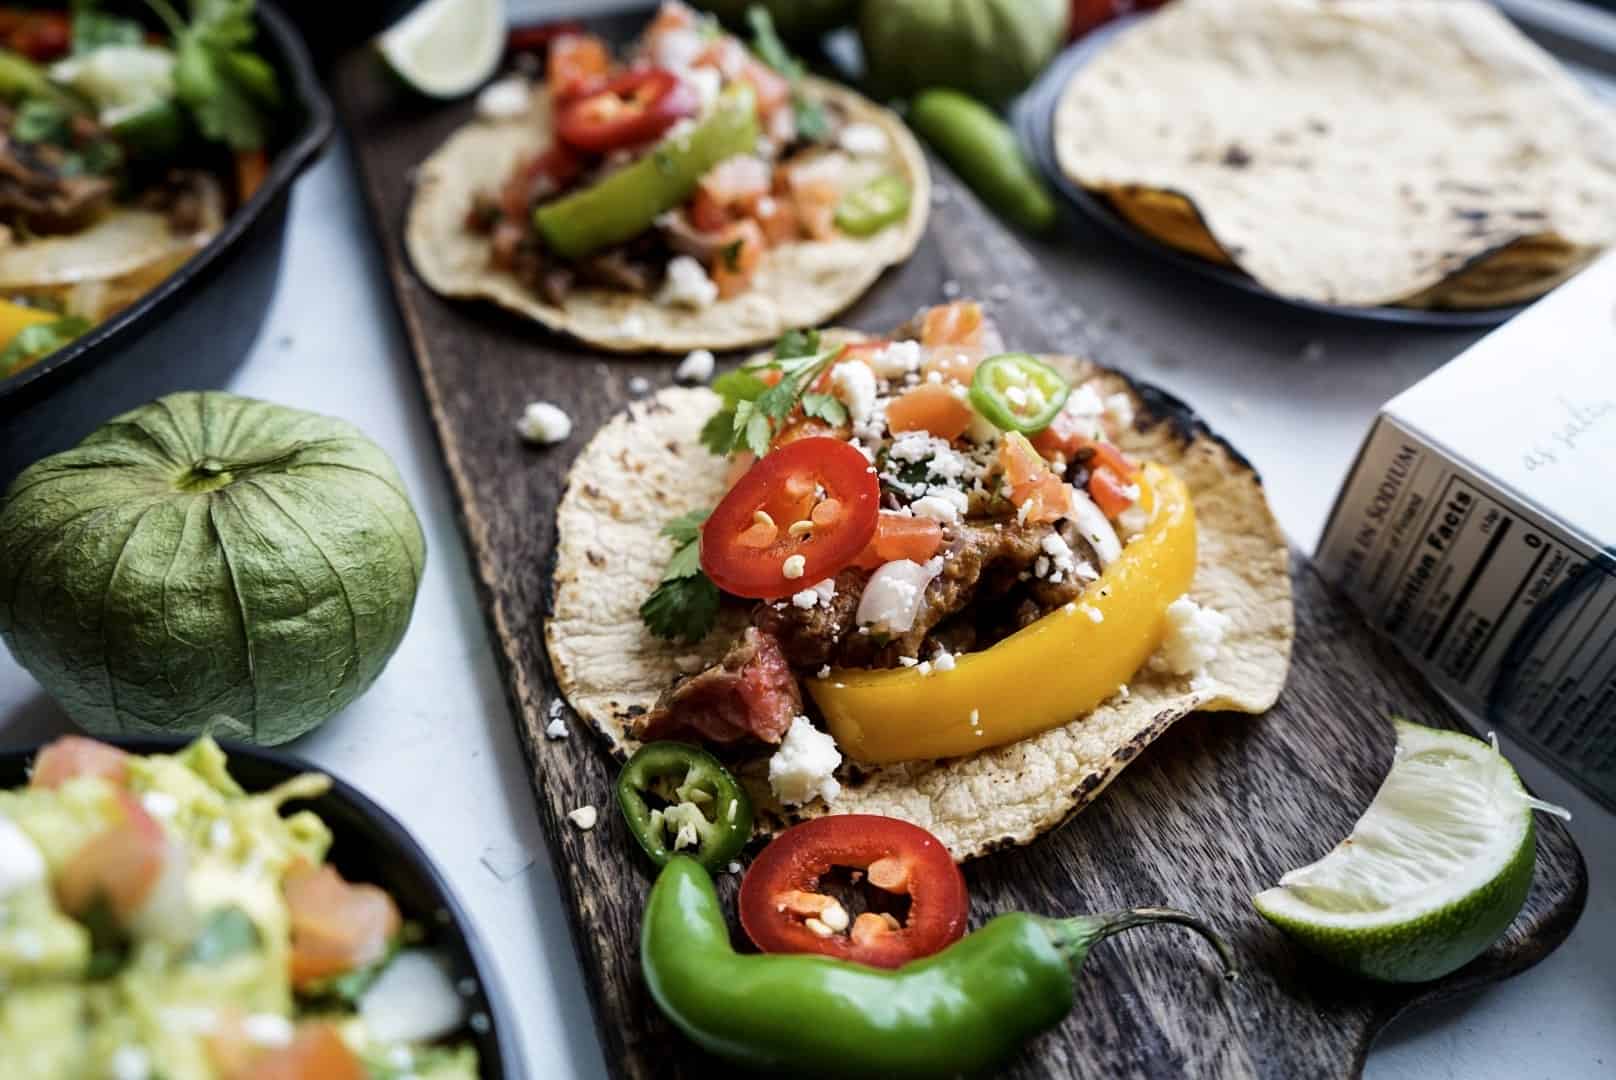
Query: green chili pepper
984,151
627,202
874,206
959,1011
1017,392
22,78
693,785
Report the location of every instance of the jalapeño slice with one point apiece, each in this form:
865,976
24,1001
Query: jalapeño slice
704,812
1018,393
871,208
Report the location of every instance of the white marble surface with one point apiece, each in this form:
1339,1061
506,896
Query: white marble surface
434,742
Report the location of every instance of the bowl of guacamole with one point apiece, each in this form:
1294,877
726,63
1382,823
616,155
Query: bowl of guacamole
169,911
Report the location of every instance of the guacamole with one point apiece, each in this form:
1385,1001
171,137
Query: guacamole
157,922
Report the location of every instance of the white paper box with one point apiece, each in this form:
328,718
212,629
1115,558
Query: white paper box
1477,529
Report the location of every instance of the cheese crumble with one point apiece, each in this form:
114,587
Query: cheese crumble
803,768
1194,634
544,423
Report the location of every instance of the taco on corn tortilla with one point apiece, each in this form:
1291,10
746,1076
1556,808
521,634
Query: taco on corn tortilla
1352,152
915,576
697,195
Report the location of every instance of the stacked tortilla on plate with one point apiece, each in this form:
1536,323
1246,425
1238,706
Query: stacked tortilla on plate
1354,152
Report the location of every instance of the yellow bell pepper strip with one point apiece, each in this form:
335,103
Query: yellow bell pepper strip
15,318
1045,674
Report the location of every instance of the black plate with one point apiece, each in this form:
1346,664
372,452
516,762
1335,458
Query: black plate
1034,120
193,330
369,845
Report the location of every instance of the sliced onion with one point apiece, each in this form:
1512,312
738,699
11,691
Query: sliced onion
894,593
1092,523
413,999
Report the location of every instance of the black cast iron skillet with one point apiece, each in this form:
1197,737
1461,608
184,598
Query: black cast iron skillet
369,845
194,329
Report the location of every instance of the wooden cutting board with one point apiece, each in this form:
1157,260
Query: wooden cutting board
1212,812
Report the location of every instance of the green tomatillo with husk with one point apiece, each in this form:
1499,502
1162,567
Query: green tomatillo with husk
990,49
209,561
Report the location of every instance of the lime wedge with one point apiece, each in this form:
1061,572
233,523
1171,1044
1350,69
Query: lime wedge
1435,870
446,48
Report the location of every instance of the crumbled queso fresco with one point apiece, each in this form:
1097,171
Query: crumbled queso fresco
696,367
1194,634
544,423
804,767
687,285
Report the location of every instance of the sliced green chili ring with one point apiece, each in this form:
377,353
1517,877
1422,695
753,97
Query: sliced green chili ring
871,208
1018,393
700,797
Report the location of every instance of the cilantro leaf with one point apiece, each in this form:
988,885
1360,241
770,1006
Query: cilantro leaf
718,433
738,385
686,528
795,343
229,89
682,610
685,605
39,340
93,29
40,120
825,408
812,123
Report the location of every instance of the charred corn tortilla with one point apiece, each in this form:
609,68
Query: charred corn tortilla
1354,152
647,466
801,284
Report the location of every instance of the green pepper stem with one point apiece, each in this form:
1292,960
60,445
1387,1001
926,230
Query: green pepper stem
1074,937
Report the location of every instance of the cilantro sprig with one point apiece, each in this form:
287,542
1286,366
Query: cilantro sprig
685,605
754,411
230,90
812,123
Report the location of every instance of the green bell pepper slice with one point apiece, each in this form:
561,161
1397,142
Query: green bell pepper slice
960,1011
1017,392
871,208
627,202
704,808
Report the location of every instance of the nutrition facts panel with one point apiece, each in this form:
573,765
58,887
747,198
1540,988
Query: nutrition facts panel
1503,611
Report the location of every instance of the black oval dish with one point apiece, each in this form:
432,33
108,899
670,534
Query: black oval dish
193,330
1034,120
368,845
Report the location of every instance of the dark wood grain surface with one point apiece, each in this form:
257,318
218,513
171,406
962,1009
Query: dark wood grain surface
1214,811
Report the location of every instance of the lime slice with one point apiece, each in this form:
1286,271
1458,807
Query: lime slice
1435,870
446,48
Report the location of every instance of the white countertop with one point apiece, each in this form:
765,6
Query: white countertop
434,742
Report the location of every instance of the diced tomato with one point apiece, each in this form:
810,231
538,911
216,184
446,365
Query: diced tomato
929,407
731,190
336,926
1068,436
538,177
121,866
815,202
1037,493
72,756
41,36
726,54
955,364
900,536
957,323
1109,492
316,1052
781,891
803,427
864,351
671,15
577,65
778,220
748,544
631,108
538,38
738,258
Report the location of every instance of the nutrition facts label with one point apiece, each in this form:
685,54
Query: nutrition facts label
1499,608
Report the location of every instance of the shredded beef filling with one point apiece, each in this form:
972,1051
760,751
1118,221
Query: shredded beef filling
750,694
35,195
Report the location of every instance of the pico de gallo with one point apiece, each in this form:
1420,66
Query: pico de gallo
129,132
943,546
673,170
158,921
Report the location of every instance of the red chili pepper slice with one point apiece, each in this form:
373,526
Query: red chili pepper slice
783,910
797,517
536,38
575,65
632,108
